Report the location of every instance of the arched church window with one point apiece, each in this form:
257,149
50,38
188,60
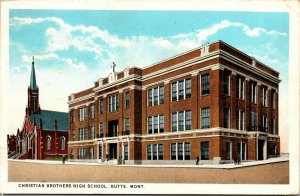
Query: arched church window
48,142
62,143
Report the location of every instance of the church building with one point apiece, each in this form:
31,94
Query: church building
44,133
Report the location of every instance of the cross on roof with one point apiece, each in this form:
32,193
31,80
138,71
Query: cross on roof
113,66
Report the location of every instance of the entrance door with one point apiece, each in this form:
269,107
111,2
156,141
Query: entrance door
242,151
112,151
260,149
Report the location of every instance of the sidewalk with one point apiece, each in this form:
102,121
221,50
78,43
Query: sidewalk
282,158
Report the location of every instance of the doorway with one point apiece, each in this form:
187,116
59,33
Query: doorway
113,151
261,145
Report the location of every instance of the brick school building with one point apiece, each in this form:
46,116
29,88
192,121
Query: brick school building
213,102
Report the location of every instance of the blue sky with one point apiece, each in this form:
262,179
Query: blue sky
74,48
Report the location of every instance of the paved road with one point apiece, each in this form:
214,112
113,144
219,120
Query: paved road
28,171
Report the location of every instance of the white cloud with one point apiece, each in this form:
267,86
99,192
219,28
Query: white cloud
106,46
28,59
266,59
72,64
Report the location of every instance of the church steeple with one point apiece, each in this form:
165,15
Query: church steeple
33,106
32,77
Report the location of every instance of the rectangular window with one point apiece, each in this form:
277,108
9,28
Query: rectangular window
91,153
253,121
127,126
72,154
92,111
155,124
150,97
127,100
253,93
180,151
174,91
113,103
205,84
205,118
73,116
125,152
101,106
155,96
85,134
79,134
188,120
240,88
273,126
92,132
180,121
160,152
82,114
100,151
181,90
150,125
204,150
227,84
161,94
264,97
187,151
228,150
82,134
173,151
154,151
264,123
240,119
101,129
81,153
188,88
174,121
148,152
161,123
274,100
226,117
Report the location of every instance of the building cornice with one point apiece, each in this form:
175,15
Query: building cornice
248,67
216,54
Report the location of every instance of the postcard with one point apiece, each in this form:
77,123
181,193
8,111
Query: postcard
148,97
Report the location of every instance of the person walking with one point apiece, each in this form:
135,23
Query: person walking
63,159
197,160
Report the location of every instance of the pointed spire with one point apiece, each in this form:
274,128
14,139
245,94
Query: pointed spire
32,77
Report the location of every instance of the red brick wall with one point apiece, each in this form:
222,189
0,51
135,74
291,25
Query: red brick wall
216,100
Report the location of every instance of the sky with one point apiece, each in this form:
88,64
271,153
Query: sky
74,48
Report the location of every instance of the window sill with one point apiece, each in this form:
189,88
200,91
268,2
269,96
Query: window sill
154,105
182,100
205,95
